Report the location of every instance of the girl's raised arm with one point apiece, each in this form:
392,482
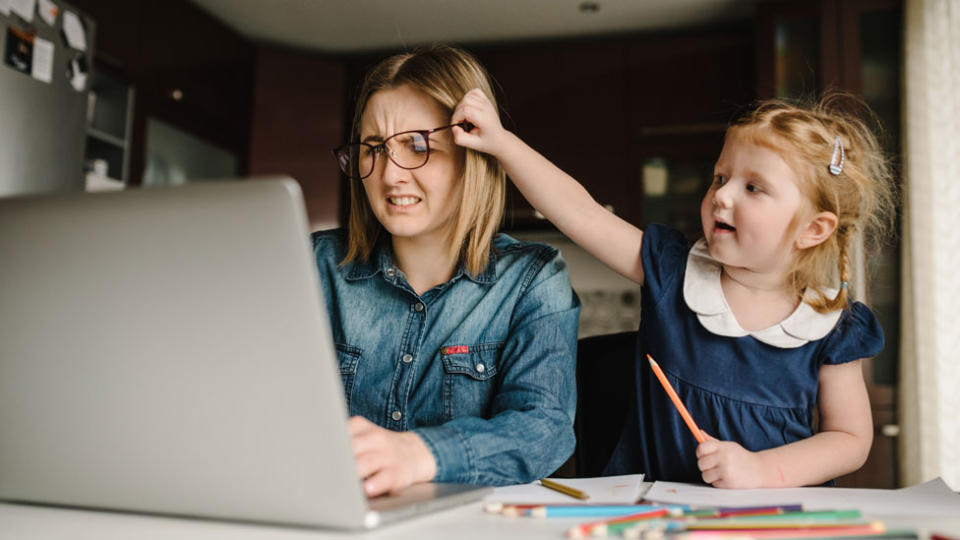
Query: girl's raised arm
551,191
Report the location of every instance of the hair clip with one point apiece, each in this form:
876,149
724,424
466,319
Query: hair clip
836,167
844,284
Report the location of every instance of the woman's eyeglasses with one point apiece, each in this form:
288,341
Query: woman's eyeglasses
407,149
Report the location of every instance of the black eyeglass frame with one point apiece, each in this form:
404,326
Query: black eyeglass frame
425,133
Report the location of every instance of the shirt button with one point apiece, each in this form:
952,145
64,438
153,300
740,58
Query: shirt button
418,307
407,358
480,368
390,272
396,415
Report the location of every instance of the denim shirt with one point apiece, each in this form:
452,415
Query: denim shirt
482,367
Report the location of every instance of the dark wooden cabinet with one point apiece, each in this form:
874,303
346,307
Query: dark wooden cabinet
568,100
685,89
196,73
601,109
118,32
187,69
298,118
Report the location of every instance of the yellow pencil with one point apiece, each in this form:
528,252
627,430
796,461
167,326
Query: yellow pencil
676,400
566,490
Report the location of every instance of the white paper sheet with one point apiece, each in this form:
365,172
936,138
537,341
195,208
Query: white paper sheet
48,11
24,8
602,490
933,498
42,68
73,31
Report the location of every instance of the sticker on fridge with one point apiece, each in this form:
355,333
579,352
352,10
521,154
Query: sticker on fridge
42,67
73,31
19,51
24,8
48,11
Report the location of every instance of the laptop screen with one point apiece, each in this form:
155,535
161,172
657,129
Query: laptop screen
166,350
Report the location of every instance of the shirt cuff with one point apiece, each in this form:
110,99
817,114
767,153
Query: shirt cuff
453,456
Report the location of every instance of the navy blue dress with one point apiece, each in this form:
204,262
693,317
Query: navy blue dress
736,388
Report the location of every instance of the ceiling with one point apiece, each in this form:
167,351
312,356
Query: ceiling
340,26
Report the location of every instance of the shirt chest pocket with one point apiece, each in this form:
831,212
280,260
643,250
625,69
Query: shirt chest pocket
348,357
469,379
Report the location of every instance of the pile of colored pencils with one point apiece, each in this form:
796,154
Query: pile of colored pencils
677,521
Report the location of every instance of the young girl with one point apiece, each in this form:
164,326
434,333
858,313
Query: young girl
753,324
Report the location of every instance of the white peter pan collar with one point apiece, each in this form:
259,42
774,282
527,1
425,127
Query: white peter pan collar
704,295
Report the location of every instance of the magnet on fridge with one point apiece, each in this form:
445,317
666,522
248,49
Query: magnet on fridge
48,11
77,70
23,8
19,51
74,32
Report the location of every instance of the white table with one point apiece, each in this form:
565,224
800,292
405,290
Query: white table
27,522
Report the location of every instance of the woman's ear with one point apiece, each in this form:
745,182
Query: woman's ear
817,230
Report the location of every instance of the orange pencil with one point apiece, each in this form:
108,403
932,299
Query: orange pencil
676,400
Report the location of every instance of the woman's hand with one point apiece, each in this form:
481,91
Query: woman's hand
726,464
487,135
388,460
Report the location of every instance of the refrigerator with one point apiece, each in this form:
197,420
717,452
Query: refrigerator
46,55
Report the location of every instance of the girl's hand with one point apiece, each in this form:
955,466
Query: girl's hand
389,460
726,464
487,135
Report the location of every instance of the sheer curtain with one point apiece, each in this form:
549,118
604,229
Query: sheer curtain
930,343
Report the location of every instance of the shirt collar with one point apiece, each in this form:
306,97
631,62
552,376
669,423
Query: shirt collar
381,261
703,294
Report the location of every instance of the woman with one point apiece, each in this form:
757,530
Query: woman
456,345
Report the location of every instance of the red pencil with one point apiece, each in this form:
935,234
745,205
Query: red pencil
599,528
676,400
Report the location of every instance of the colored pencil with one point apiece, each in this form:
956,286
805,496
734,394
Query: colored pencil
656,530
599,528
566,490
597,510
697,434
820,516
757,510
524,509
733,511
738,524
874,528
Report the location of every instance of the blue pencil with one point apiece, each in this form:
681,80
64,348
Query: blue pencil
600,510
729,510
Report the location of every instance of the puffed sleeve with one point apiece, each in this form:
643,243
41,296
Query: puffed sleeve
663,252
857,335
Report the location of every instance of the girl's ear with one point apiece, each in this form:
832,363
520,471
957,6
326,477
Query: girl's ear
817,230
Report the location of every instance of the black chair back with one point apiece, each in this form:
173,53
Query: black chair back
605,389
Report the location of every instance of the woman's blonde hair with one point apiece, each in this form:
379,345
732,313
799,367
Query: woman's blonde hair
862,195
445,74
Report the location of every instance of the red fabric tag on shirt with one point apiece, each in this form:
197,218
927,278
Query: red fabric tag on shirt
458,349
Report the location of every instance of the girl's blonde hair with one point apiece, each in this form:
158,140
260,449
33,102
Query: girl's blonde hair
862,196
445,74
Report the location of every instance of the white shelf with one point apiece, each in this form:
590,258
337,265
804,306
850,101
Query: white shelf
106,137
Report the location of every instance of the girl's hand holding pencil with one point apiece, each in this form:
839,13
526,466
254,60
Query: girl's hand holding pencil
726,464
723,464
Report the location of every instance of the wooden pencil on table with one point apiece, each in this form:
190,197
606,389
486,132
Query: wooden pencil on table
566,490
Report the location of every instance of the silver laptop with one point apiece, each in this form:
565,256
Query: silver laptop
167,351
